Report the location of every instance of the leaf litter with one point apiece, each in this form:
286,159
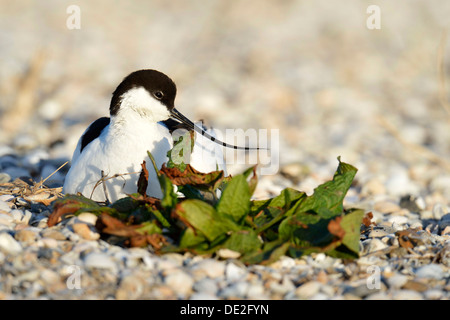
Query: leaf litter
210,213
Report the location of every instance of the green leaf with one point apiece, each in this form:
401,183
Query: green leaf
170,198
235,199
331,194
204,218
243,241
149,227
285,200
271,252
351,223
190,239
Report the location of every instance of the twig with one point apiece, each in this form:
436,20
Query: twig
39,184
104,189
106,178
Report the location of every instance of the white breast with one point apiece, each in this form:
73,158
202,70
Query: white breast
119,152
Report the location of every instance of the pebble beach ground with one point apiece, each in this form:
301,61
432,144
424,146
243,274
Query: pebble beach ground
311,70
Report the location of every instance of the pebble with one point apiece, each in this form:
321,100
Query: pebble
397,281
4,206
208,267
386,207
88,218
85,232
130,288
53,234
8,244
234,273
26,235
407,295
308,290
206,285
375,244
100,261
4,177
180,281
430,271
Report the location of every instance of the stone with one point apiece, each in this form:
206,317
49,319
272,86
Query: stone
373,187
130,288
8,244
407,295
4,206
431,271
26,235
433,294
88,218
375,244
206,285
397,281
99,261
180,281
85,232
209,267
53,234
234,273
308,289
4,177
386,207
6,219
228,254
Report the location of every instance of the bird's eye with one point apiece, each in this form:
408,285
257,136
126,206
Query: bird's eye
158,95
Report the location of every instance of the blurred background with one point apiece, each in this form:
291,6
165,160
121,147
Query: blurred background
312,69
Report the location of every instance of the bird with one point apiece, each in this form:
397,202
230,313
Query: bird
106,163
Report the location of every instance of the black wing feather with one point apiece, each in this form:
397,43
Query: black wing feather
94,131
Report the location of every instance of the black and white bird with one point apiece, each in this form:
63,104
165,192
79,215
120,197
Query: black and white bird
107,160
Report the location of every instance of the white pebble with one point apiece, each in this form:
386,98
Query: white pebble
88,217
6,197
100,261
202,296
407,295
6,219
430,271
206,285
234,273
4,206
375,244
309,289
398,220
209,267
397,281
8,244
180,281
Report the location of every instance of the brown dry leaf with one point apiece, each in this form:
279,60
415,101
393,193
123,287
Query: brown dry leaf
334,227
107,224
408,238
61,209
191,176
155,203
367,219
143,180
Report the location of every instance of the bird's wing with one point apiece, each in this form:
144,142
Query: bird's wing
92,132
